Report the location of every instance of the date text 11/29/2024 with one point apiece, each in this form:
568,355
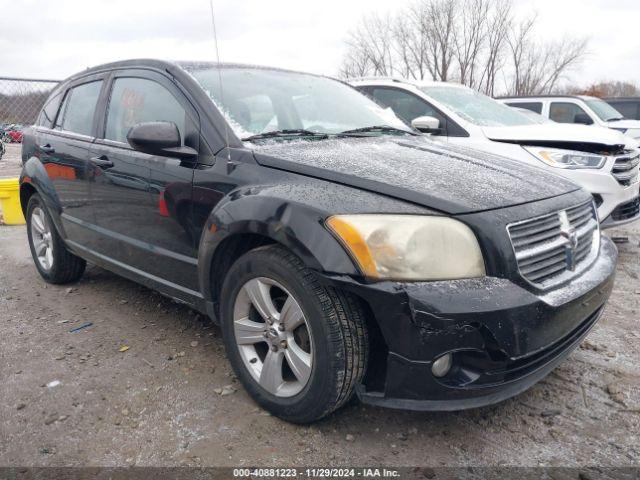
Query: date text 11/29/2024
368,472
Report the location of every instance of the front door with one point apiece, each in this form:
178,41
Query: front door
408,106
142,202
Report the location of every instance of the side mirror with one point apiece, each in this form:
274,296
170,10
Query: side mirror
426,124
582,119
159,138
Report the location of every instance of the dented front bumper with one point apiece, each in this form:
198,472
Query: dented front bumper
504,337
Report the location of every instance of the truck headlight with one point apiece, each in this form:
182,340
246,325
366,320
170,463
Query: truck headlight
409,247
567,158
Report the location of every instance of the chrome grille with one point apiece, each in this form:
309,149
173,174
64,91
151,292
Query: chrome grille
625,168
555,247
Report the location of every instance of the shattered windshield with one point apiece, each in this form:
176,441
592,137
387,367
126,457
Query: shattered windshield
477,108
603,110
256,101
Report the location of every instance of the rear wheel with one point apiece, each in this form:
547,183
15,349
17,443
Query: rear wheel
52,259
298,347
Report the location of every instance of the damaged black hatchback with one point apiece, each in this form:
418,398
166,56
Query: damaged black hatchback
340,252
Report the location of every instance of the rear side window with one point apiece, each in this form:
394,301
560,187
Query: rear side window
533,106
49,111
564,112
137,100
76,113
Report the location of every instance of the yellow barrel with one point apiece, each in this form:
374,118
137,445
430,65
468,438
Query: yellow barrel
10,201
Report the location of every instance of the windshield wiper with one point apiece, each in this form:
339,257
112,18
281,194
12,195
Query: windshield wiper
286,133
615,119
376,128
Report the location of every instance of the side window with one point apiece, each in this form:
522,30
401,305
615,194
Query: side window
628,109
48,113
405,105
564,112
533,106
136,100
76,113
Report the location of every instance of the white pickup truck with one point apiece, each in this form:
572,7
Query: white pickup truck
601,160
578,109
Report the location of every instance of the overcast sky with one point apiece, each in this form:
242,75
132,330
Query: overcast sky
54,39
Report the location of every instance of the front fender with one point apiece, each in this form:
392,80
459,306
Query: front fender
35,175
298,227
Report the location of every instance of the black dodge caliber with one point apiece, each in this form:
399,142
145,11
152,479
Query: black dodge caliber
339,251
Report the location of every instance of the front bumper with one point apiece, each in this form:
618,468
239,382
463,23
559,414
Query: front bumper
503,337
624,213
609,193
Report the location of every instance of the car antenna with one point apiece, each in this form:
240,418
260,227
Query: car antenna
215,41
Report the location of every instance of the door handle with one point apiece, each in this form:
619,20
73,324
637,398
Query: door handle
47,148
102,161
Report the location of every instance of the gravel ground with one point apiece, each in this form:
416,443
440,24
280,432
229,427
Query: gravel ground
78,399
10,163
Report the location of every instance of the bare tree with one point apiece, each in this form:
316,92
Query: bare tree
538,67
369,47
355,64
470,41
607,89
520,49
411,43
563,56
438,19
470,37
499,24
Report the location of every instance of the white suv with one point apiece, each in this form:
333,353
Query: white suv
601,160
580,109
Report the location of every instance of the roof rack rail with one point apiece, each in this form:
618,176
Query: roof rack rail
380,77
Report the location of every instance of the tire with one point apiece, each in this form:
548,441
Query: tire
335,323
61,266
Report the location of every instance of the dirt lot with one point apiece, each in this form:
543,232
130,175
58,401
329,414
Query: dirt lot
10,164
72,399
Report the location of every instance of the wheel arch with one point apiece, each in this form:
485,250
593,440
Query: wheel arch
246,223
35,179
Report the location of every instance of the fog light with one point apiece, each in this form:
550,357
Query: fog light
441,366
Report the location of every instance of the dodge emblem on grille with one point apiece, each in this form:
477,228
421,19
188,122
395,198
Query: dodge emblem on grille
571,236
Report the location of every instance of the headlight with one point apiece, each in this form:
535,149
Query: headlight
409,247
567,158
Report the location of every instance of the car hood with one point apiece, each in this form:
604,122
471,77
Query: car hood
548,134
450,179
624,124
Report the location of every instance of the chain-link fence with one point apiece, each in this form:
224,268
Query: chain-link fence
21,100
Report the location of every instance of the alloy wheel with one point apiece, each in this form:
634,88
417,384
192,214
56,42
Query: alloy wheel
42,238
273,337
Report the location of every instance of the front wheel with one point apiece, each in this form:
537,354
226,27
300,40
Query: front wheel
298,347
54,262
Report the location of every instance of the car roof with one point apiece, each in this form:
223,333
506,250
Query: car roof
172,65
400,80
536,97
623,99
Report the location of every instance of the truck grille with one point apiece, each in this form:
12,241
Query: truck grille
625,168
556,247
627,211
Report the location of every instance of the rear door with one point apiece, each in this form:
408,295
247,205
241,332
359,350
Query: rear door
142,202
63,142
